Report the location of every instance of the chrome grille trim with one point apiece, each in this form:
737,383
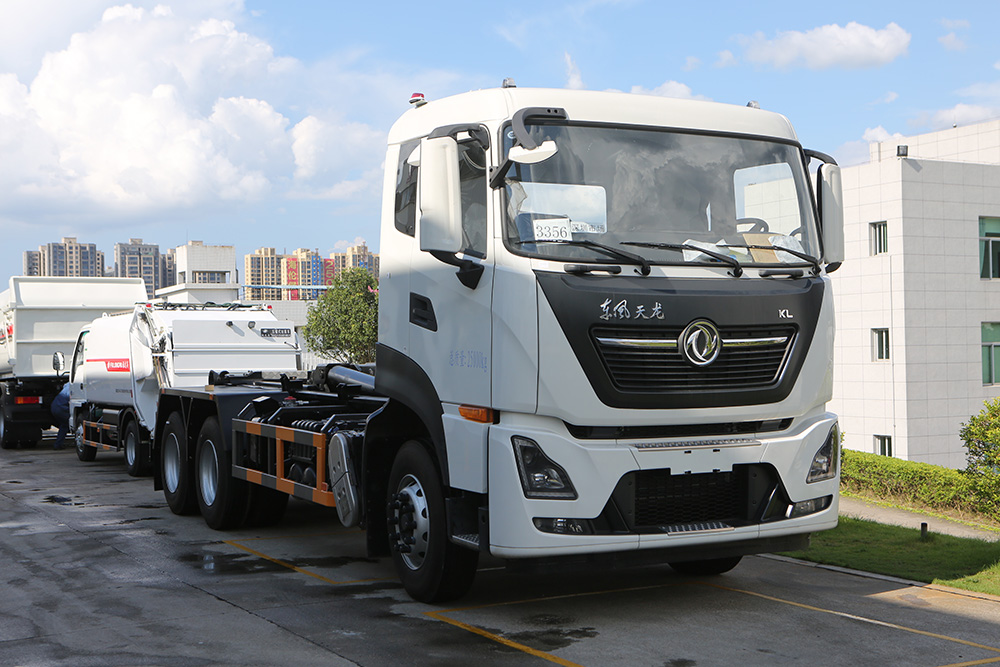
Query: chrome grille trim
649,360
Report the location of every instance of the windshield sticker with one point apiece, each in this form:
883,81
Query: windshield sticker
552,229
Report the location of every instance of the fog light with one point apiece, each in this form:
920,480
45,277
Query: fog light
824,463
541,477
564,526
809,507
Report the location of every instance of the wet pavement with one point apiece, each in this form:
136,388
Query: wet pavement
96,570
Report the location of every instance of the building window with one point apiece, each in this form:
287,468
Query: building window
878,237
989,247
880,344
991,352
883,445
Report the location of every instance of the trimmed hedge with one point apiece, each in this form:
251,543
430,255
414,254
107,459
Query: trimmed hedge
936,487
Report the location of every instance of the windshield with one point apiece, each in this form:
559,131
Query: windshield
663,194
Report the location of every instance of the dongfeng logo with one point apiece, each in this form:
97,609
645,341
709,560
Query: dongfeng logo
700,343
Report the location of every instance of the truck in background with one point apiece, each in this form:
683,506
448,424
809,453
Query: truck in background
605,336
122,361
38,317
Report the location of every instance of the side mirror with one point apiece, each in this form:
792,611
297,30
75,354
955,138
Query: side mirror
440,196
522,155
831,210
59,362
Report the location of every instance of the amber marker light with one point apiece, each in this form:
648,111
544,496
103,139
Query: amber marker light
474,413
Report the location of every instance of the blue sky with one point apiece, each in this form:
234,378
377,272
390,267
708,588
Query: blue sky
262,122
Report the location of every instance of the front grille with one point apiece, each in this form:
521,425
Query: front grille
665,499
649,360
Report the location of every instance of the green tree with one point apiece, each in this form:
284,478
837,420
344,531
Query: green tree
343,324
981,436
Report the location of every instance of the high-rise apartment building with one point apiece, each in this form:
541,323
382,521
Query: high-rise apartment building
136,259
356,257
306,267
262,273
66,258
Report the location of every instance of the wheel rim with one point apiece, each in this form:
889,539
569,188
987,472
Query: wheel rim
171,462
412,520
78,437
130,446
208,472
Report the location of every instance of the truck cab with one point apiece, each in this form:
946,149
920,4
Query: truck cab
611,315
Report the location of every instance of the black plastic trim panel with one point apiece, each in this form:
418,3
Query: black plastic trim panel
651,307
678,431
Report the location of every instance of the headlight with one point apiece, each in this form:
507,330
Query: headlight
824,463
541,477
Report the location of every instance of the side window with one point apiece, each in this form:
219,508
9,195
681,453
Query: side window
78,356
406,190
472,177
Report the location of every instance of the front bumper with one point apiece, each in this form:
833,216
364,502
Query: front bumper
682,494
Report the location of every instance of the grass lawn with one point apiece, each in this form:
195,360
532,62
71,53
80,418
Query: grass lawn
942,559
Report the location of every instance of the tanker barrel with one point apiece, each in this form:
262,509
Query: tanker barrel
336,374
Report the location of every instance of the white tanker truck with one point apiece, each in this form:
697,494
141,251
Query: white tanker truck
122,361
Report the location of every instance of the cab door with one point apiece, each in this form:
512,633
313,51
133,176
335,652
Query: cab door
450,300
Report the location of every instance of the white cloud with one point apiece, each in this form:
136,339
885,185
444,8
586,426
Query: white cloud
873,134
888,98
858,152
160,107
691,63
960,114
955,24
328,150
573,79
852,46
952,42
669,89
726,59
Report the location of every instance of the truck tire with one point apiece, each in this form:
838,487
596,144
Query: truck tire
136,450
221,497
7,440
708,567
83,452
178,476
431,567
266,507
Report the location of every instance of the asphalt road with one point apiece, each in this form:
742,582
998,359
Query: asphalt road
95,570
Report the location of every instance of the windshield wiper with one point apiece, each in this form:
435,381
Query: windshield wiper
725,259
623,255
795,253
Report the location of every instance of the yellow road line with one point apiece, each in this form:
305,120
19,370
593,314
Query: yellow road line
437,615
234,543
864,619
440,615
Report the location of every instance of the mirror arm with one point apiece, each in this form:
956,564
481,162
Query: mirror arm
468,273
822,157
521,135
497,173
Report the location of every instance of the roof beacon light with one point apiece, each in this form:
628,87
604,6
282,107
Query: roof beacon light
417,99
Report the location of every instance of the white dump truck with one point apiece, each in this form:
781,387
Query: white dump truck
605,336
40,316
121,362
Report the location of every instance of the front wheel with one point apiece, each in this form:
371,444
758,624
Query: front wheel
84,452
221,497
431,567
708,567
136,450
178,485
